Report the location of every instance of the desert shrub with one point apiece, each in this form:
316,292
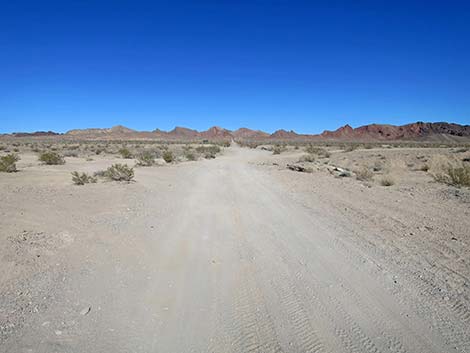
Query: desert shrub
307,158
319,151
456,174
83,178
120,172
213,149
168,156
125,153
2,148
146,159
190,156
51,158
364,174
387,181
277,149
8,163
209,155
350,148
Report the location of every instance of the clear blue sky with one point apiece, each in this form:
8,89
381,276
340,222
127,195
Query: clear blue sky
306,66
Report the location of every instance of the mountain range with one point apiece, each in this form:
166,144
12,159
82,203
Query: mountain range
439,131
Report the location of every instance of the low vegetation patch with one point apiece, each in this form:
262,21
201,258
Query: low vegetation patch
125,153
319,151
119,172
364,174
8,163
456,174
278,149
212,149
190,156
146,159
82,178
168,156
51,158
307,158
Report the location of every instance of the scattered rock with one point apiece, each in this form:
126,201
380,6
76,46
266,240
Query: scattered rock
339,172
299,168
85,310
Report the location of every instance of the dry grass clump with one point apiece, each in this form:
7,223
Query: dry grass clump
146,159
83,178
364,174
51,158
8,163
119,172
451,172
387,181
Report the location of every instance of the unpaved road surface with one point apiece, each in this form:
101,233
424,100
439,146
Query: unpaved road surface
210,256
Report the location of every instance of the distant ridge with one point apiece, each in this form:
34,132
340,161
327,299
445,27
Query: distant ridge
419,131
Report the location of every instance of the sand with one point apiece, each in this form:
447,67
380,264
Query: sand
234,254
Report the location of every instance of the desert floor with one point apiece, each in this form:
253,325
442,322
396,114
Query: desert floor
235,254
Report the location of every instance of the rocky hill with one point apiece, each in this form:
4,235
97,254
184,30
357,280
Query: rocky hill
419,131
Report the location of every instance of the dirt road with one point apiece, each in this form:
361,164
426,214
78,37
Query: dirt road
215,256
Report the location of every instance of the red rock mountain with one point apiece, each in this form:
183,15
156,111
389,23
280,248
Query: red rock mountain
418,131
244,133
414,131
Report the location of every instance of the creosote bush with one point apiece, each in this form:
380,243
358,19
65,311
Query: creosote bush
8,163
82,178
168,156
146,159
125,153
119,172
51,158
